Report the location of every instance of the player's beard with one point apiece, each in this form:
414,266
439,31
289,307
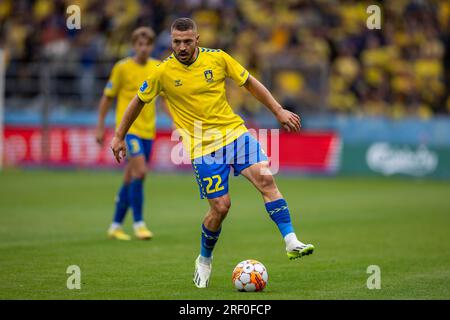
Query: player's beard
186,59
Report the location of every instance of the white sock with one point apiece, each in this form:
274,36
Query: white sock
205,260
115,226
138,224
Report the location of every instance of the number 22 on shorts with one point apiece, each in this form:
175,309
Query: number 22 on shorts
215,180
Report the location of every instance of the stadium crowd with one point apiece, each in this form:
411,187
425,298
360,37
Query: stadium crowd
316,56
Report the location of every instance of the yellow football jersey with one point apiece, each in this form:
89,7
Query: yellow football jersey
126,77
196,97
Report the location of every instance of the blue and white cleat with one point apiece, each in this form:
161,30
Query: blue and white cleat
202,273
298,250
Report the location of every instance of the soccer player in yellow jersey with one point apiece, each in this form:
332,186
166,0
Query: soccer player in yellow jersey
193,81
126,77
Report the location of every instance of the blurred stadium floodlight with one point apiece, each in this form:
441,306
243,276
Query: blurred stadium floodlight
2,102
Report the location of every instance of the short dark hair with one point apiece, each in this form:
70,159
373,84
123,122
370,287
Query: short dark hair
144,32
184,24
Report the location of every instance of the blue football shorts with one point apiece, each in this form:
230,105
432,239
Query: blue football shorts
137,146
212,170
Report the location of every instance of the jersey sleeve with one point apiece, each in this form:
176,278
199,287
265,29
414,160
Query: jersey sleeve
150,88
112,87
234,70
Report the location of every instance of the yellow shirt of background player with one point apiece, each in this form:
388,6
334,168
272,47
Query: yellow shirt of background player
126,78
196,96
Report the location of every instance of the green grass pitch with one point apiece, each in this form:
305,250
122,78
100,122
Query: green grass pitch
50,220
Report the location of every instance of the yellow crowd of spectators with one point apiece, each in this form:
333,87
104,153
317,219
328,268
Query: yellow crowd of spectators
315,55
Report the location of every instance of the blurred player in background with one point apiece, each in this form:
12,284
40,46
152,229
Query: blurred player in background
193,81
126,77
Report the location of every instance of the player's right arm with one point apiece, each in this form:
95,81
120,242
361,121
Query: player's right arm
103,108
118,145
146,93
109,93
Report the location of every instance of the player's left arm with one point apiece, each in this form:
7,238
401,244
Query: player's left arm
289,120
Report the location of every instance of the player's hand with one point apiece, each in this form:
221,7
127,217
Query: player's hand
118,148
100,135
289,120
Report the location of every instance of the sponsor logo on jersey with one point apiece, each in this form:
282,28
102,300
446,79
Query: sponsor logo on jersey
144,86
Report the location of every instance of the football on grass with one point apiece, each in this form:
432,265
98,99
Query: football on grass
250,276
